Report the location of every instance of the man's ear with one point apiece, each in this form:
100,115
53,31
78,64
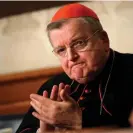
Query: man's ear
104,37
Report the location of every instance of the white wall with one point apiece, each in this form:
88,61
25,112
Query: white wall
24,44
117,20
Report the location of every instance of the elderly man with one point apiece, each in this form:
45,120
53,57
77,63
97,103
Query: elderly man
96,86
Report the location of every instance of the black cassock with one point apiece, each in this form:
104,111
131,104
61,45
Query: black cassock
116,79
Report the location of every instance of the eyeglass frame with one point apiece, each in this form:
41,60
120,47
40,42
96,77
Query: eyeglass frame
84,41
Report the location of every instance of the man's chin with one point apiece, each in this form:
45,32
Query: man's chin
83,80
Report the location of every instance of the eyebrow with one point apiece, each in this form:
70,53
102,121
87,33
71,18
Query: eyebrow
72,41
58,47
77,38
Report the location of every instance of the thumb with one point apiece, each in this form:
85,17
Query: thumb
64,94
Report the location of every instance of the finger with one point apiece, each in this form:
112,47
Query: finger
45,94
43,100
54,93
35,107
64,94
67,89
43,118
38,106
37,97
43,125
61,86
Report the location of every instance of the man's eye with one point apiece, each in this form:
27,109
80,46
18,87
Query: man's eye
78,43
60,50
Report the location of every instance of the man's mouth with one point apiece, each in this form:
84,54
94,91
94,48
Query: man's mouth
80,65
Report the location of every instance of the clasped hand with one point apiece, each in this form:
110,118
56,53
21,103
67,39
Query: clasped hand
60,110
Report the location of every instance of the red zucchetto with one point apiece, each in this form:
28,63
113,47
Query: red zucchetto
73,11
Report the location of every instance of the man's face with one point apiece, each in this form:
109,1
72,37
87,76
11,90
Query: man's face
80,66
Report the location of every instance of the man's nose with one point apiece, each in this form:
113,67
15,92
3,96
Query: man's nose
71,54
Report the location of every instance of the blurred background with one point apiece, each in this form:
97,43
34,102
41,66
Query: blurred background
26,60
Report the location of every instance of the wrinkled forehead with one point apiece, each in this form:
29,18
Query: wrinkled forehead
70,30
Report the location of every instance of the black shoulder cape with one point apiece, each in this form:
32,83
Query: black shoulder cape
118,99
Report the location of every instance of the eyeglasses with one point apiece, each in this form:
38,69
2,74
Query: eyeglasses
77,46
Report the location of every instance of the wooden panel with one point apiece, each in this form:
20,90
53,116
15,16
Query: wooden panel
30,74
19,90
16,88
16,108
